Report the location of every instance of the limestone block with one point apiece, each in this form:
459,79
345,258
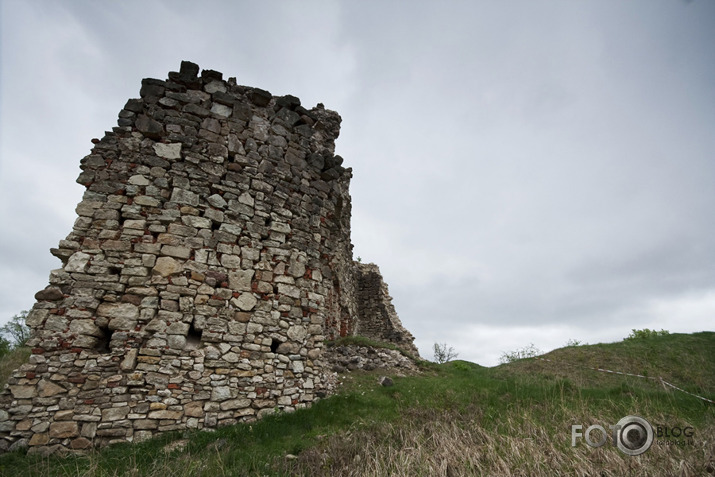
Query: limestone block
176,251
85,327
77,262
297,333
231,261
240,280
221,110
245,302
39,439
125,311
289,290
144,424
63,429
115,413
235,404
80,443
168,151
166,266
217,201
176,341
48,389
194,409
49,294
296,269
130,360
221,393
183,196
165,414
139,180
198,222
121,323
36,317
56,323
89,430
149,127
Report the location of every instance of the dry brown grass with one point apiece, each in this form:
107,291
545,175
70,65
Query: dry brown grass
453,444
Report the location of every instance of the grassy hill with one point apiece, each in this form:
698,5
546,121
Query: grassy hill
454,419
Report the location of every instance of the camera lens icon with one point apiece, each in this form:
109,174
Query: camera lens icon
634,435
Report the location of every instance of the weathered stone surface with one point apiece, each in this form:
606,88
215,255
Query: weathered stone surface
221,393
245,302
130,360
115,413
194,409
23,392
149,127
168,151
166,266
166,414
38,439
209,263
127,311
297,333
85,327
48,389
77,262
63,429
80,443
235,404
49,294
240,280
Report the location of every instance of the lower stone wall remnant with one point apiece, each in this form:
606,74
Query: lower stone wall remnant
344,358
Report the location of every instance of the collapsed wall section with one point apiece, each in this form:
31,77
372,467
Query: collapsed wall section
377,318
210,260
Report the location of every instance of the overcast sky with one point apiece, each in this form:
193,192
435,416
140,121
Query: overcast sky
524,171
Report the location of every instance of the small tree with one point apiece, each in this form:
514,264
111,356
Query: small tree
442,353
15,331
4,347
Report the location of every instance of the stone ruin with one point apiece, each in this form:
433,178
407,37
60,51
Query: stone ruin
210,261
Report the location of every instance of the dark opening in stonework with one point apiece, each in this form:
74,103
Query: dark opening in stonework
114,270
274,345
193,338
103,342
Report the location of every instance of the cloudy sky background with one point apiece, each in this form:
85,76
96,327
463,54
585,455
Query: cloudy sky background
524,171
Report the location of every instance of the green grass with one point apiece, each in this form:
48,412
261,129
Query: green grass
454,419
363,341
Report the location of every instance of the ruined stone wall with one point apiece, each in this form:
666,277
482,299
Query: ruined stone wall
210,259
377,318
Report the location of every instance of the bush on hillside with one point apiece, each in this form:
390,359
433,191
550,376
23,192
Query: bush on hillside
645,333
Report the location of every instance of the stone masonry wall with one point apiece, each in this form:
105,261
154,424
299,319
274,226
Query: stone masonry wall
209,261
377,316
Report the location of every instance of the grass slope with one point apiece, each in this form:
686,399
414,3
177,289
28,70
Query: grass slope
454,419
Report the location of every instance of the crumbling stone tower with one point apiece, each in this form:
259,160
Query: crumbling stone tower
210,259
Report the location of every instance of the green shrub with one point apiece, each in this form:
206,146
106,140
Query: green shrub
521,353
645,333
